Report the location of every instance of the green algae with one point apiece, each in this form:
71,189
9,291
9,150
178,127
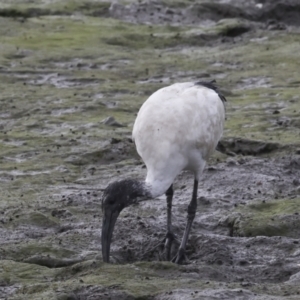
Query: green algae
35,219
267,218
140,282
42,248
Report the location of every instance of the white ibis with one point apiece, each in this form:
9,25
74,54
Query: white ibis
177,128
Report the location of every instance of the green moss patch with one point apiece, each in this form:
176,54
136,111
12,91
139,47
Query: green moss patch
272,218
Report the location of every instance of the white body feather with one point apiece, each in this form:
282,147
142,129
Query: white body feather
178,127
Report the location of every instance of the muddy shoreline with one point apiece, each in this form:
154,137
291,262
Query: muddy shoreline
73,77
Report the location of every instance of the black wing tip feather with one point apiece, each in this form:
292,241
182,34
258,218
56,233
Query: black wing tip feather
212,85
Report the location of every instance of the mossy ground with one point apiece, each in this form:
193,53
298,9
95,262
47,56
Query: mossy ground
271,218
65,67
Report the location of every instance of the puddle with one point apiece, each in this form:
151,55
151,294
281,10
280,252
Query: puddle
165,80
59,112
61,81
254,82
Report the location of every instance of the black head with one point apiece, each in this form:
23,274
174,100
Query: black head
116,197
120,194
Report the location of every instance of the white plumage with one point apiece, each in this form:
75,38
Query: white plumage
178,127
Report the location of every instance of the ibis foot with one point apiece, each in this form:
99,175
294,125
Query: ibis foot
168,241
165,246
180,257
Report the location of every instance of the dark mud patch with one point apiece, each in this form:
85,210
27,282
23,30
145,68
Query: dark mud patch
202,13
225,189
96,9
158,13
246,147
115,150
287,12
51,262
27,13
155,12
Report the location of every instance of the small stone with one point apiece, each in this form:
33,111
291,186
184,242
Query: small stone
231,162
296,182
114,141
110,121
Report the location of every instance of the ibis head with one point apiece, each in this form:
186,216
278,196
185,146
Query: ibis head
116,197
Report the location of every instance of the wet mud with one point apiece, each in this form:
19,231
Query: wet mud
73,77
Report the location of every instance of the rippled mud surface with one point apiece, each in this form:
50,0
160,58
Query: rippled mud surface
73,75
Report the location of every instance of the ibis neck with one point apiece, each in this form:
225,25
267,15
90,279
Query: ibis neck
136,190
157,186
143,190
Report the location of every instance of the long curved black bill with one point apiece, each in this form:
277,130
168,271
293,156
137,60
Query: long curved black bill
109,221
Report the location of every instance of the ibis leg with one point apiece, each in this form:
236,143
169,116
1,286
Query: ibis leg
190,218
170,235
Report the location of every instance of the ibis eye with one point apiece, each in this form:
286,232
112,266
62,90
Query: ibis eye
111,201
